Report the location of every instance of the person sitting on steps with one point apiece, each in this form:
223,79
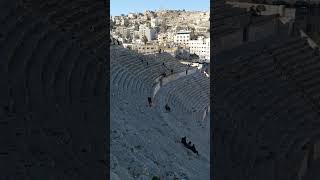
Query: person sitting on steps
193,149
184,140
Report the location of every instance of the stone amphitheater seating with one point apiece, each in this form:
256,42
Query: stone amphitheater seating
145,142
51,90
267,110
132,62
189,94
80,19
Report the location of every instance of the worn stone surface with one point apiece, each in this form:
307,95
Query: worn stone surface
53,90
145,141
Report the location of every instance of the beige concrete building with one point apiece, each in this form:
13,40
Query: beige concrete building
146,49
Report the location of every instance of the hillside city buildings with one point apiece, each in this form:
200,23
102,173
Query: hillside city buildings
183,34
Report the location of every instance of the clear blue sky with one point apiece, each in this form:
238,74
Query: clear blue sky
118,7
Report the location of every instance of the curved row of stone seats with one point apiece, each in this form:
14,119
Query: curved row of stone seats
234,142
304,69
301,59
136,64
48,84
198,96
153,142
225,19
139,70
82,20
170,62
126,81
231,94
242,71
287,46
189,94
247,122
178,110
144,138
165,96
132,64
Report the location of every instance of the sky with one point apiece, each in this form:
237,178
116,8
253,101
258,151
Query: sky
118,7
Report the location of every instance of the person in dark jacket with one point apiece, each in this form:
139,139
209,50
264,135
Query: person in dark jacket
168,109
193,149
184,140
150,101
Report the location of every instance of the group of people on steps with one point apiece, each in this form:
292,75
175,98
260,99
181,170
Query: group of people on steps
188,145
184,139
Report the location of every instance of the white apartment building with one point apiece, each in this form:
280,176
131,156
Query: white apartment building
155,22
124,21
200,47
148,32
182,37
